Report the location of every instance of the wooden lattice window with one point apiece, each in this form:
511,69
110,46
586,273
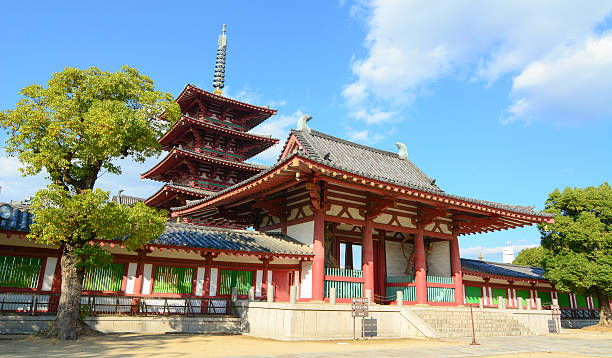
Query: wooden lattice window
19,272
173,279
240,279
108,278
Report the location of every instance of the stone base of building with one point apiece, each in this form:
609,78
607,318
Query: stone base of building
320,321
20,324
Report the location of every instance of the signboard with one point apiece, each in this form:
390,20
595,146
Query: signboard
360,307
369,328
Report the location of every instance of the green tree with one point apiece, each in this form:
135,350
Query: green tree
74,130
533,256
579,243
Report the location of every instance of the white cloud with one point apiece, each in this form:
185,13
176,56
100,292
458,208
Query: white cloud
14,186
412,44
571,85
278,127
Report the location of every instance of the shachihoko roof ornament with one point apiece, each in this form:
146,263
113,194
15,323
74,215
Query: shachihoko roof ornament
302,124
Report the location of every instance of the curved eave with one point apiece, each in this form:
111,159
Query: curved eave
512,219
176,156
180,128
262,112
159,198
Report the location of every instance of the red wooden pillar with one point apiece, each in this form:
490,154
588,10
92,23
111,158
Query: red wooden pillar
381,264
318,263
456,270
367,249
420,276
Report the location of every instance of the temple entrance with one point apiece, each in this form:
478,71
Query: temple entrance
280,280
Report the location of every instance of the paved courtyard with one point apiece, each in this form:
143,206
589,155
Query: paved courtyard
576,344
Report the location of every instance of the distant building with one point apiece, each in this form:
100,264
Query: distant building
508,253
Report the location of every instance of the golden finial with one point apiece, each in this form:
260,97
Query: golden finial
219,79
480,256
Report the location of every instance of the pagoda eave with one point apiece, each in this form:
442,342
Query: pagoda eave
191,92
253,143
178,157
169,192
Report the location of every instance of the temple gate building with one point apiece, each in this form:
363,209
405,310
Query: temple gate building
330,221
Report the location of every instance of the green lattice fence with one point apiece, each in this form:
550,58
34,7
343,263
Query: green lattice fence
473,294
545,297
173,279
241,279
343,272
524,295
499,292
408,292
104,279
440,279
19,272
564,300
440,294
344,289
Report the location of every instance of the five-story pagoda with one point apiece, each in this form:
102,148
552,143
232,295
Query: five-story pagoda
209,144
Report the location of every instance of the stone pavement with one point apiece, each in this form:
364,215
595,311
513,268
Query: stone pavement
488,346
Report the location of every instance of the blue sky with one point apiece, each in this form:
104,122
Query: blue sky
502,101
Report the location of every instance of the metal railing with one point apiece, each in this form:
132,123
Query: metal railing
35,304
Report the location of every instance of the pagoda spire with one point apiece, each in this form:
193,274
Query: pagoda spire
219,80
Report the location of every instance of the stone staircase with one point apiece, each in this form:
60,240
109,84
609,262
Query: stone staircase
456,322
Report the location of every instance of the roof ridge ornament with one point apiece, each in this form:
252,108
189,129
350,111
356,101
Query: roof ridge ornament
403,152
302,124
219,79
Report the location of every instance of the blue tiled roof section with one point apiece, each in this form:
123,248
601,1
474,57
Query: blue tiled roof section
20,221
498,269
194,236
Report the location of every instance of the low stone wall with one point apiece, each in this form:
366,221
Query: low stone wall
539,321
319,321
19,324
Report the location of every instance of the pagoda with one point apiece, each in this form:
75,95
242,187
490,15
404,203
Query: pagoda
210,143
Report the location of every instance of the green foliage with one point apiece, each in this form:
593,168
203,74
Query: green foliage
83,121
533,256
80,124
579,243
76,220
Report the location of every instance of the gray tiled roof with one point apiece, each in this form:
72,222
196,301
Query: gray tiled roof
499,269
191,189
19,221
195,236
365,161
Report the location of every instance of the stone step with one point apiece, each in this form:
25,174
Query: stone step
458,323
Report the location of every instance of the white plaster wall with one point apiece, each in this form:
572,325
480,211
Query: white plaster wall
438,260
396,262
302,232
47,283
306,285
147,273
131,278
200,281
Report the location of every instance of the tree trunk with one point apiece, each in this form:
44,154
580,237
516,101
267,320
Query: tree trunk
68,323
605,314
